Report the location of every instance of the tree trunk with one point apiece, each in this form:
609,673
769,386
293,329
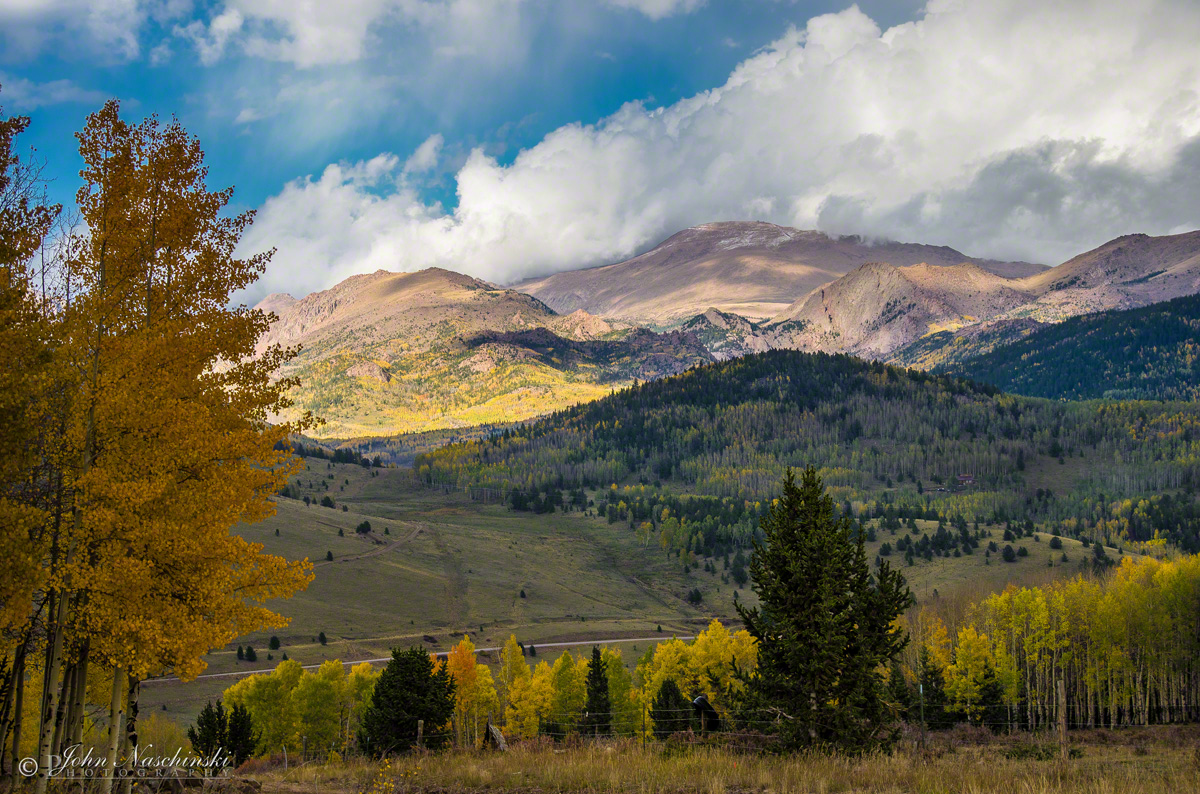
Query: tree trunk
131,736
116,723
75,723
60,716
18,707
51,693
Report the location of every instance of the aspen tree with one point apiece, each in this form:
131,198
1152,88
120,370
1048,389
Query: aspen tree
168,444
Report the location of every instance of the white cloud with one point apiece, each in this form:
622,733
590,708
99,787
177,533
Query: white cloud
657,9
25,95
210,39
1019,128
322,33
109,28
425,158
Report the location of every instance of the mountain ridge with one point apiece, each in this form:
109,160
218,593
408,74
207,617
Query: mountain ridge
751,268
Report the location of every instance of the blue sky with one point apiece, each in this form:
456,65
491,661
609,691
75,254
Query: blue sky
509,138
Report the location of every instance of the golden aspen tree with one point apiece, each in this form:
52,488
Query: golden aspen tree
569,676
463,669
169,443
531,702
513,670
621,693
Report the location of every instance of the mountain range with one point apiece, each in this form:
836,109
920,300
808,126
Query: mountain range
753,269
401,352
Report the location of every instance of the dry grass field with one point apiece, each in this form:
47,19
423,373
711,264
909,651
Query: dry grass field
1147,761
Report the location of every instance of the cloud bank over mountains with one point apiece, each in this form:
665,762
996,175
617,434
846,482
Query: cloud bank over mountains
1015,130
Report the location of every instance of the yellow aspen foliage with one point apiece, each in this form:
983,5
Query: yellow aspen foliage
705,666
569,676
967,675
513,668
622,695
172,427
531,702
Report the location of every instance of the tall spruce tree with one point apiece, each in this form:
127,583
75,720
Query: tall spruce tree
670,711
210,732
240,737
409,689
825,626
597,718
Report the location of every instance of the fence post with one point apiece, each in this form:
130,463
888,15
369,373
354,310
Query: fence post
1062,720
420,733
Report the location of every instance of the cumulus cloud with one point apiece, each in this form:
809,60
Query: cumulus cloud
210,39
1018,128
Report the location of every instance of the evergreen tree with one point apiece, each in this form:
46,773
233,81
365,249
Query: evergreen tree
251,655
671,712
240,736
938,713
597,718
408,689
824,625
899,692
210,732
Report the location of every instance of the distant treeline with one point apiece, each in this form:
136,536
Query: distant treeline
1152,353
882,438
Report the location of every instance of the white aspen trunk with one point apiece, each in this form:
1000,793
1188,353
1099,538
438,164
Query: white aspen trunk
116,724
50,696
131,736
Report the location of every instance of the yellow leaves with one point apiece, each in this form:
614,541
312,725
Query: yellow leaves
706,665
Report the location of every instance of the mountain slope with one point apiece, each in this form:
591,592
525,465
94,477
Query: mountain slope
402,352
881,311
752,269
882,437
877,307
1151,353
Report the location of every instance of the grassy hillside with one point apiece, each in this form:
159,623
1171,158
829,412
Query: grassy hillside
1140,354
388,353
718,438
450,565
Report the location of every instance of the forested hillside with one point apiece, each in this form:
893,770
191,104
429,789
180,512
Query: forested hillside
1143,354
888,441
